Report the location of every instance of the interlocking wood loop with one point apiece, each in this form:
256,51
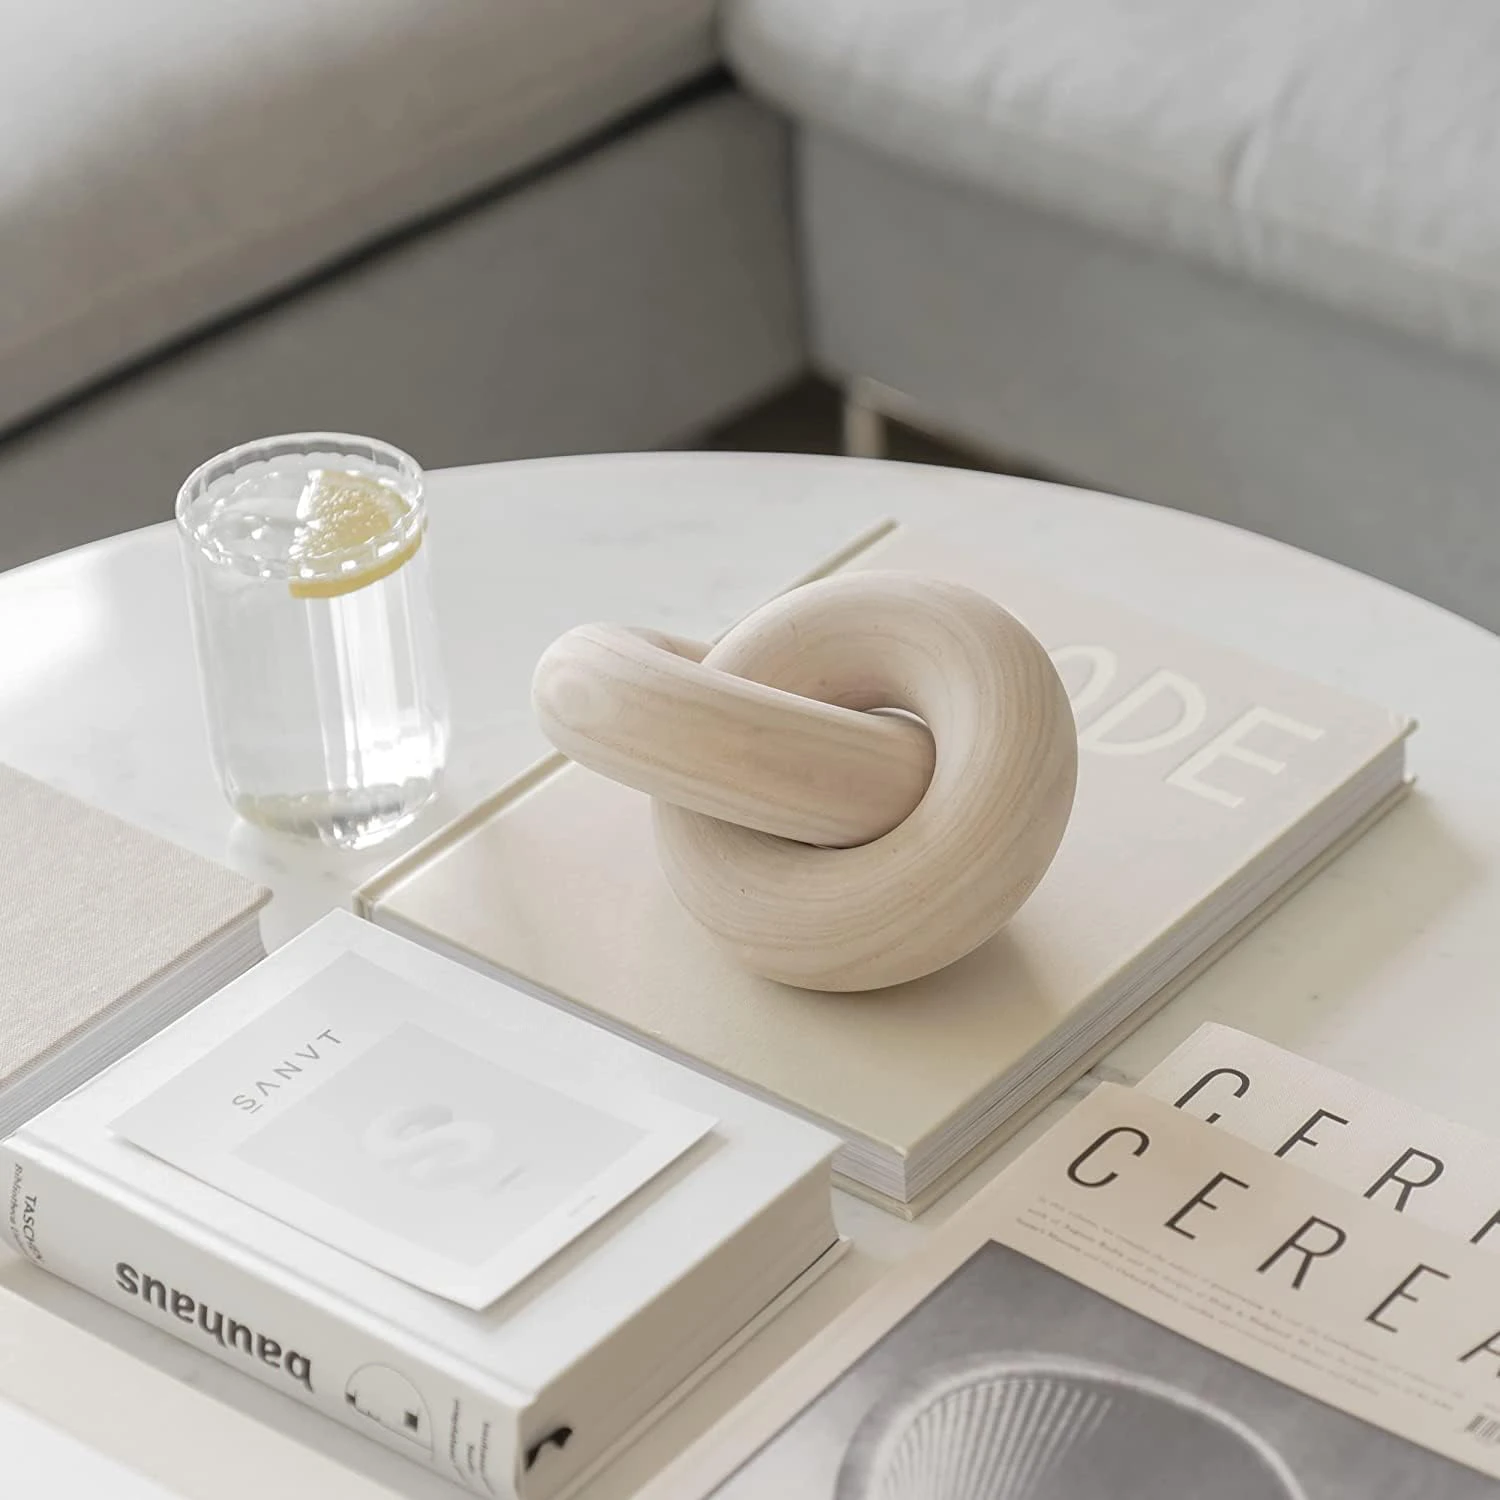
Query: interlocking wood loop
825,843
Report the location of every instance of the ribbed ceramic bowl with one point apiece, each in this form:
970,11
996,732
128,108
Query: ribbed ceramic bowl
1033,1427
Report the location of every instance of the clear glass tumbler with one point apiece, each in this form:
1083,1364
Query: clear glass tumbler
315,635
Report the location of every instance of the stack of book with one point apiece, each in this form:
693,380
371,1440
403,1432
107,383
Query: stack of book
473,1228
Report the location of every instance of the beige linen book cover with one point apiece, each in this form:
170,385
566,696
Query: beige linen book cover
96,915
1208,785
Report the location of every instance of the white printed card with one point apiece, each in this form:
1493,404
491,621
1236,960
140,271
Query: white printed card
409,1132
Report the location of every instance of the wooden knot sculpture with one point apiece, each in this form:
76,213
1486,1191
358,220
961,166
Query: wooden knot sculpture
860,783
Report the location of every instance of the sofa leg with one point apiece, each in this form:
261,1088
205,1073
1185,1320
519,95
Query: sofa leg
864,423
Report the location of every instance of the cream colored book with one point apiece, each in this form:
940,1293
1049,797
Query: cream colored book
107,933
1209,786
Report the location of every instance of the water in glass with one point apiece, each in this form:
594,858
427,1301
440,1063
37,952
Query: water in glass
315,634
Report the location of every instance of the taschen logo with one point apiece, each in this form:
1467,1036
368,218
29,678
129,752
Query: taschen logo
287,1072
23,1217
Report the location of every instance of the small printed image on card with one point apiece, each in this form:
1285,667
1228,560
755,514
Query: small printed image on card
410,1134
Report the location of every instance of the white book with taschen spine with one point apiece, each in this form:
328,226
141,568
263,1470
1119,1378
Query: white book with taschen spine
1210,786
490,1237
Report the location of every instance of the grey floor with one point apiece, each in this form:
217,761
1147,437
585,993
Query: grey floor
806,418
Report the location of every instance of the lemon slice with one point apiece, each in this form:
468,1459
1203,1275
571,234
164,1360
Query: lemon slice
342,519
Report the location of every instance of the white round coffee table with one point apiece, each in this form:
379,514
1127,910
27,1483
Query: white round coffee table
1383,966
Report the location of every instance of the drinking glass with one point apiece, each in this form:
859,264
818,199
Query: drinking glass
316,643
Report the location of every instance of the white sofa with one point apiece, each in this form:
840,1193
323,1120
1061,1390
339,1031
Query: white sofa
1237,259
1240,259
480,229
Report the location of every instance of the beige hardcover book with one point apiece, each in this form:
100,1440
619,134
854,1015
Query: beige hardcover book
1209,785
107,933
1141,1305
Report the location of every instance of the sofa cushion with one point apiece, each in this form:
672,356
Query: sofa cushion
1347,149
163,162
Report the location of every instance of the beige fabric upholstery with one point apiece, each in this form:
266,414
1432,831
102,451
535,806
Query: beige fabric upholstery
1345,149
165,161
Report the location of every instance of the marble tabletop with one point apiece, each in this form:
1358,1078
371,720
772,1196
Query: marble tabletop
1382,966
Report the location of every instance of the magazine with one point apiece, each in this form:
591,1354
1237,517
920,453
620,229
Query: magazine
1144,1304
1385,1149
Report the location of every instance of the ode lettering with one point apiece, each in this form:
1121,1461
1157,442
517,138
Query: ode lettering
1166,711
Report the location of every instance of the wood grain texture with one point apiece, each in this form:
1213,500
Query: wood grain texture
863,871
635,706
